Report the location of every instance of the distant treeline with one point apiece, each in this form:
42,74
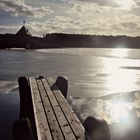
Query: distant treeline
62,40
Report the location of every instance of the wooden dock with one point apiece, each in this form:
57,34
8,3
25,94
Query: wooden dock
45,113
49,112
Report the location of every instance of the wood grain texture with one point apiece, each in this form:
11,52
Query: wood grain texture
54,126
54,118
43,131
66,129
74,122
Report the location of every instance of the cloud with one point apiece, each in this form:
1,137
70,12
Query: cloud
8,28
130,25
105,20
137,2
110,3
89,19
20,8
56,24
67,25
136,10
75,16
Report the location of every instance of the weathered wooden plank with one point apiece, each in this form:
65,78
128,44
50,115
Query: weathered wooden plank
67,131
75,124
43,132
54,126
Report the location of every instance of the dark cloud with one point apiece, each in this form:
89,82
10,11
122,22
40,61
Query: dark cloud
130,25
137,2
110,3
20,8
135,10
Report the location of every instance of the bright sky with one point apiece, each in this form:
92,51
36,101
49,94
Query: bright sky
108,17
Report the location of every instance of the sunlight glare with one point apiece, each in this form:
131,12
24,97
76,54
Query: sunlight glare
119,111
122,81
119,52
119,79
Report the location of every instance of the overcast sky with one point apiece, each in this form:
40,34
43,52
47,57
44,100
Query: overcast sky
108,17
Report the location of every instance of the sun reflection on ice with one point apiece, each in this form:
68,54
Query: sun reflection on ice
122,81
118,82
119,79
119,111
121,52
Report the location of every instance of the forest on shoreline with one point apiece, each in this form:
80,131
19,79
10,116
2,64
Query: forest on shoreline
63,40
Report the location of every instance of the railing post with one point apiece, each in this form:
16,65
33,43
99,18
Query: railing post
62,83
22,130
96,128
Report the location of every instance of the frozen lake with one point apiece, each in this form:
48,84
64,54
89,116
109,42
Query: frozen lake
104,82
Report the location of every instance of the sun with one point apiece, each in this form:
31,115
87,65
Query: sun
126,4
